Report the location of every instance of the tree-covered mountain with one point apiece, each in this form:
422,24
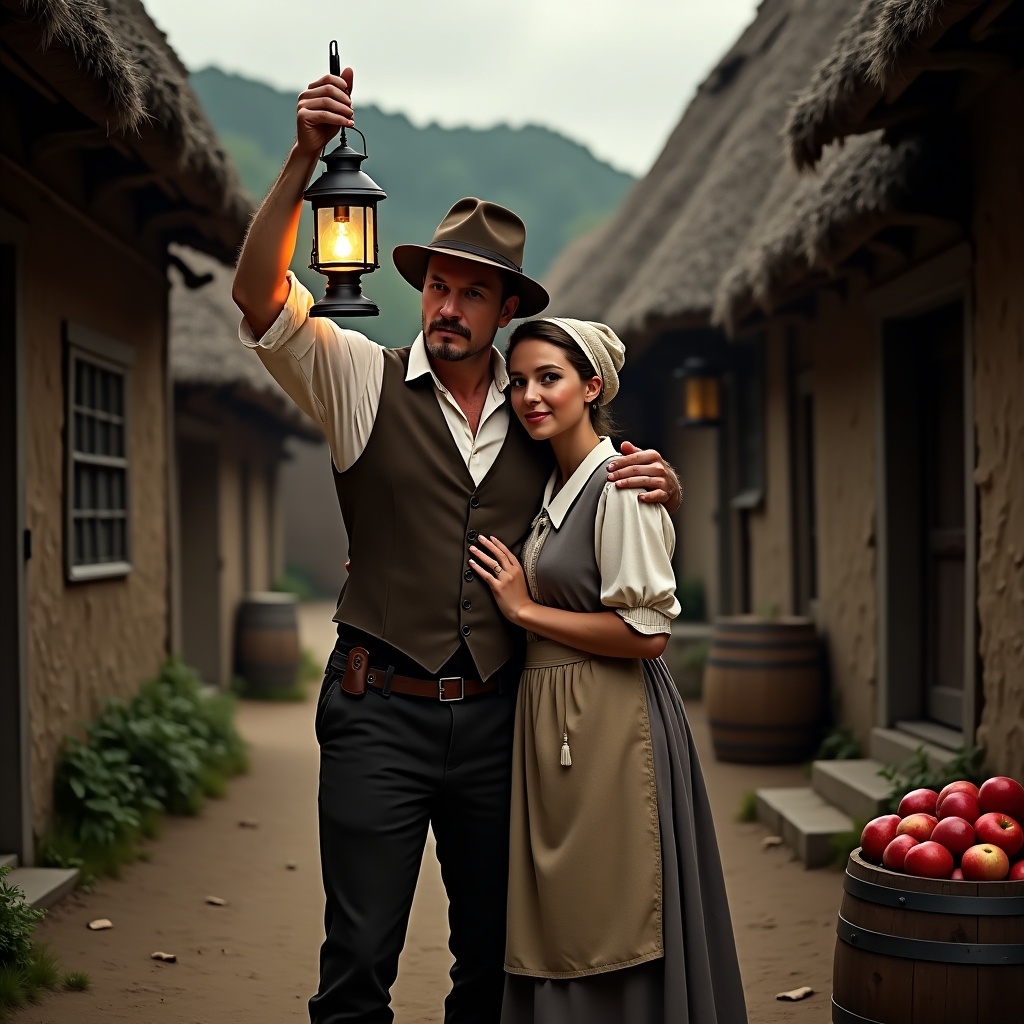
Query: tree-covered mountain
556,185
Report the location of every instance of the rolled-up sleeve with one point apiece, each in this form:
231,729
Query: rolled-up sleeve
634,542
334,376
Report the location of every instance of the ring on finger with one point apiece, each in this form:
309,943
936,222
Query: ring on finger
497,569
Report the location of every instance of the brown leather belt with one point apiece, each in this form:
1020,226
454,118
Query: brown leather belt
358,674
447,688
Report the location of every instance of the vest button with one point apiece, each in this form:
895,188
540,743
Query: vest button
468,576
474,502
472,535
466,631
467,604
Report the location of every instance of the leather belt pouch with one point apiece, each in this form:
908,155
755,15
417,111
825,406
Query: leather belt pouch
357,666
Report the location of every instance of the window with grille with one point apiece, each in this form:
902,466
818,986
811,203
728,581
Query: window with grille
97,540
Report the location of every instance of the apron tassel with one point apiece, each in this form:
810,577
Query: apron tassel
566,755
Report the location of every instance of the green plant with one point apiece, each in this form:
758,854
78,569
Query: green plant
168,748
748,807
77,981
844,843
295,581
917,773
311,669
839,744
17,919
42,972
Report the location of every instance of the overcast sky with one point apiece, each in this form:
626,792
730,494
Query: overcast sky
613,74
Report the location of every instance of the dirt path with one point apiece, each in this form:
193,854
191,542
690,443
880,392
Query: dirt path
254,960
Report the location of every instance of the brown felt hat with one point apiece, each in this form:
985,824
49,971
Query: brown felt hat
474,229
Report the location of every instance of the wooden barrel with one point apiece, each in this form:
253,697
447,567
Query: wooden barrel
267,642
926,951
763,689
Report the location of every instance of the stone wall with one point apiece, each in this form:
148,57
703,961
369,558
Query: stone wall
999,419
771,527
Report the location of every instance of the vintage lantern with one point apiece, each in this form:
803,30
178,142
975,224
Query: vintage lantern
344,200
702,406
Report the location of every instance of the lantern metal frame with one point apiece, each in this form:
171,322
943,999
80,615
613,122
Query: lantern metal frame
344,186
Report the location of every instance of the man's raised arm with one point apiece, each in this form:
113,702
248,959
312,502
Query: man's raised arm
260,288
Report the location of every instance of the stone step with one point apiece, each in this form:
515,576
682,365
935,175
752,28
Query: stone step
43,886
8,860
855,787
894,746
805,821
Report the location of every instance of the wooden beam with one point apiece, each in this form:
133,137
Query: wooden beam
55,143
110,187
17,67
983,62
982,27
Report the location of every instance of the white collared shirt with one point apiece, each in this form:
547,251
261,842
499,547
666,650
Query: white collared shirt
335,377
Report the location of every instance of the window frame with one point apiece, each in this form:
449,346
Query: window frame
83,344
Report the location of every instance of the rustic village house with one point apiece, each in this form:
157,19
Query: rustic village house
105,159
838,224
231,424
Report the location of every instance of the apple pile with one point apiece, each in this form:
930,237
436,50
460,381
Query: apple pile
965,832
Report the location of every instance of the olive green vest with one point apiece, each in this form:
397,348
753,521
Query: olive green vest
411,510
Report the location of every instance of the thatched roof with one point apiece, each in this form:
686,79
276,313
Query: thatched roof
107,59
660,260
812,222
884,48
205,352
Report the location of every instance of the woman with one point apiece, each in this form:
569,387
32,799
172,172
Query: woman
617,907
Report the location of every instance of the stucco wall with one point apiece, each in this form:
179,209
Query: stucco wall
999,420
845,372
695,456
771,531
87,640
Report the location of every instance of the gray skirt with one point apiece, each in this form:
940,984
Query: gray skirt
698,980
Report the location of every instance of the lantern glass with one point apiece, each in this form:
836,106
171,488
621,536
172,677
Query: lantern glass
346,238
701,399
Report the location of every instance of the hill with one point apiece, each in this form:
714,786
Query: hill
557,186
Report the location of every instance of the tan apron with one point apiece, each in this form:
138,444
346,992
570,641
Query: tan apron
585,856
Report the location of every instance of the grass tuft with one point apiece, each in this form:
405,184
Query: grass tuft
748,807
77,981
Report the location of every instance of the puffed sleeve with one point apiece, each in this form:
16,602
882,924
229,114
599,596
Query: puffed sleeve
634,542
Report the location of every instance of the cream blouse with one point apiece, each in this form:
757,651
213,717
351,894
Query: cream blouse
633,545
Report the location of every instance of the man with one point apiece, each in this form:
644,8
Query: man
415,716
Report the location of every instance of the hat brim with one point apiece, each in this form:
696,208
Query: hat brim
411,262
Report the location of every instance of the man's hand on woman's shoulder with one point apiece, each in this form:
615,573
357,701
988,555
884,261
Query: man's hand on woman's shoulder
644,467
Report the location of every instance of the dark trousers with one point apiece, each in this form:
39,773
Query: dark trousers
389,767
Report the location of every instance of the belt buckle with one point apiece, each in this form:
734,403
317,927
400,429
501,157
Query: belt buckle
451,679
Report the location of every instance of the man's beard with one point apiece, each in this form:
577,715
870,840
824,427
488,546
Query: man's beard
445,350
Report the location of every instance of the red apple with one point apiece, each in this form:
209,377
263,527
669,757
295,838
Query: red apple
877,835
917,825
896,852
1017,872
929,860
985,863
1000,830
959,804
918,801
957,875
1002,794
955,834
961,785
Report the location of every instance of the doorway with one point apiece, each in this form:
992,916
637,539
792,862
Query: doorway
928,570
